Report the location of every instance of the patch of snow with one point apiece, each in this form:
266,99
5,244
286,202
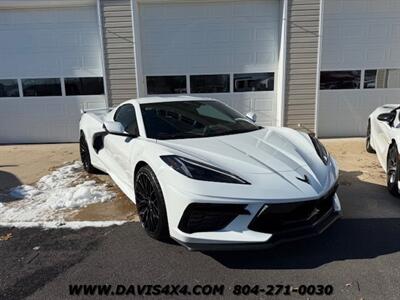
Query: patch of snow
23,191
52,198
67,225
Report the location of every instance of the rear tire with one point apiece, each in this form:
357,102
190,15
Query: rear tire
368,146
150,204
392,176
85,156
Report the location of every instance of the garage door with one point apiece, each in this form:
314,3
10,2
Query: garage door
360,63
50,67
226,50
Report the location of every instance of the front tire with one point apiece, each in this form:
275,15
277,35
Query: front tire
150,204
85,156
392,176
368,139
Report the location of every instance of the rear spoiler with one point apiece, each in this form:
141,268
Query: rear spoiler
85,110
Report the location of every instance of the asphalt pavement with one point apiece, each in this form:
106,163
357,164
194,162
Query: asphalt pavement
359,256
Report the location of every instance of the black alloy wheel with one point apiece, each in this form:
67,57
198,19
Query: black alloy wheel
150,204
392,177
368,139
85,155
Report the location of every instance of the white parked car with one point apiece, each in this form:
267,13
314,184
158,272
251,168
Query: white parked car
383,137
209,177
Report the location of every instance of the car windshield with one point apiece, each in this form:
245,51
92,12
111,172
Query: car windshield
192,119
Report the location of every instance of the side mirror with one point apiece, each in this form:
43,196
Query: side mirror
251,116
114,128
387,117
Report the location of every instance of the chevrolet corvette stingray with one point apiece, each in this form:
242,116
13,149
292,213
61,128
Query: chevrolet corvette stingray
383,138
209,177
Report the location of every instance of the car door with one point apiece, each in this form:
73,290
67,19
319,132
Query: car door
121,147
383,137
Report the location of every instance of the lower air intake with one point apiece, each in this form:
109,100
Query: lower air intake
203,217
277,218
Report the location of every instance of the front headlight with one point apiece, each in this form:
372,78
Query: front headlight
200,171
321,150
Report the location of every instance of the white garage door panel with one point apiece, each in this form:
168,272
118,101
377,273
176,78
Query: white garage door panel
47,43
185,37
347,111
50,42
43,120
221,37
357,35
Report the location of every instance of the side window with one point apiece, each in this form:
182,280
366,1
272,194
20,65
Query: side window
127,117
340,80
84,86
41,87
166,85
253,82
382,78
209,84
9,88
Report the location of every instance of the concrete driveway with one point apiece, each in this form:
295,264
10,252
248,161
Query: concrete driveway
359,256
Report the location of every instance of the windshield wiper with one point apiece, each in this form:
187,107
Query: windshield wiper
179,135
236,131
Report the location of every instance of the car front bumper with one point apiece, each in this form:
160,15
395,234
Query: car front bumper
238,232
293,235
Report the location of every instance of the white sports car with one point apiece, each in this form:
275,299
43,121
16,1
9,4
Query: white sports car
209,177
383,137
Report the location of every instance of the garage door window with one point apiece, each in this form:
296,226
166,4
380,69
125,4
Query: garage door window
84,86
340,80
158,85
253,82
382,78
41,87
209,84
9,88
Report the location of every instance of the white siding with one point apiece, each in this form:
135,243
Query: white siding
116,18
302,57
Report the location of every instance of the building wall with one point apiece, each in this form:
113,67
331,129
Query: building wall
118,43
301,64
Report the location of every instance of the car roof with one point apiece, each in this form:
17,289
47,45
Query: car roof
147,100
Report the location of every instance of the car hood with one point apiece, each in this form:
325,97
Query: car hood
283,152
261,151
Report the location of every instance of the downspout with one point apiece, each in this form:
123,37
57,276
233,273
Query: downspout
281,93
103,59
137,49
318,77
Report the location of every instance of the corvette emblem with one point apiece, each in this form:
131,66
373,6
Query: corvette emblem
305,179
